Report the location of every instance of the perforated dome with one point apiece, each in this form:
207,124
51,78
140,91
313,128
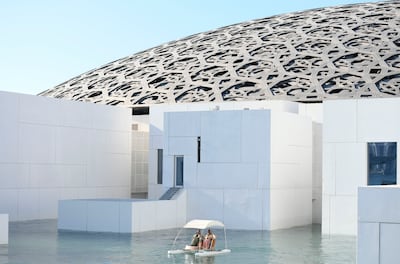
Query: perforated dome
348,51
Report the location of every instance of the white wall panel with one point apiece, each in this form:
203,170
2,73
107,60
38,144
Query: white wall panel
221,143
14,175
3,229
184,125
290,207
243,206
71,145
48,202
368,243
9,203
28,204
199,201
340,121
107,211
255,141
351,168
37,143
75,114
343,215
39,110
9,141
45,176
374,115
182,146
227,175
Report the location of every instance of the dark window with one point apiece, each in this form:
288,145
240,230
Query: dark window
382,159
159,166
198,148
178,170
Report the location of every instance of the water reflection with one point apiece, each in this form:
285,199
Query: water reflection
39,242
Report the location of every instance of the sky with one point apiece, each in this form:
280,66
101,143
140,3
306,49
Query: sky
45,42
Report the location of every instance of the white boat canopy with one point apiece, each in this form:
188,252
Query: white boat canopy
203,224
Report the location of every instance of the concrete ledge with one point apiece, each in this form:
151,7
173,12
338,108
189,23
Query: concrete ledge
121,215
378,224
3,229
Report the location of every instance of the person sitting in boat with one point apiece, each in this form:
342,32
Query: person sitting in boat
197,239
209,242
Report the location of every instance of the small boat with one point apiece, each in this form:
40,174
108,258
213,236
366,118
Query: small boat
199,252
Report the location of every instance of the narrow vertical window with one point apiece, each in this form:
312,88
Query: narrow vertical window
382,163
159,166
198,148
178,171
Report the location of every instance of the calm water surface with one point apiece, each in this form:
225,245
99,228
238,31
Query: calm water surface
40,242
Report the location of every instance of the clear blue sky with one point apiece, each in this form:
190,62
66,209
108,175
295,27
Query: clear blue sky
46,42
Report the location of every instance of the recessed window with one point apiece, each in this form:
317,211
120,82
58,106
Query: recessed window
382,160
159,166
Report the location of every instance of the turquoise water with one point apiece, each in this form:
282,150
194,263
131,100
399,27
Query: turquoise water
40,242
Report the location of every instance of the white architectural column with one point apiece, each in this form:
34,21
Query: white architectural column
3,229
378,225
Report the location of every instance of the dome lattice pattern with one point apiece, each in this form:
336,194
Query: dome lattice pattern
340,52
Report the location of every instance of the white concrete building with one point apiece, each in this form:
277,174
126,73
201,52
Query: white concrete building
55,149
378,225
251,168
349,128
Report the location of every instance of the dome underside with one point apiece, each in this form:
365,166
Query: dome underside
348,51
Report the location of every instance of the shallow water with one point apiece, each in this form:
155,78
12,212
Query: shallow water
40,242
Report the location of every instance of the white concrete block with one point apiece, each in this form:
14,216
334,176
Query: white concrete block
326,214
75,114
39,110
242,209
221,136
227,175
368,243
72,145
9,203
28,204
190,172
200,201
72,215
48,202
343,215
144,216
9,142
290,129
264,175
290,207
379,204
3,229
125,217
110,141
290,175
375,114
329,169
156,142
165,216
183,124
110,117
37,143
389,243
182,146
14,175
255,136
340,114
351,167
9,105
73,175
45,176
103,216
